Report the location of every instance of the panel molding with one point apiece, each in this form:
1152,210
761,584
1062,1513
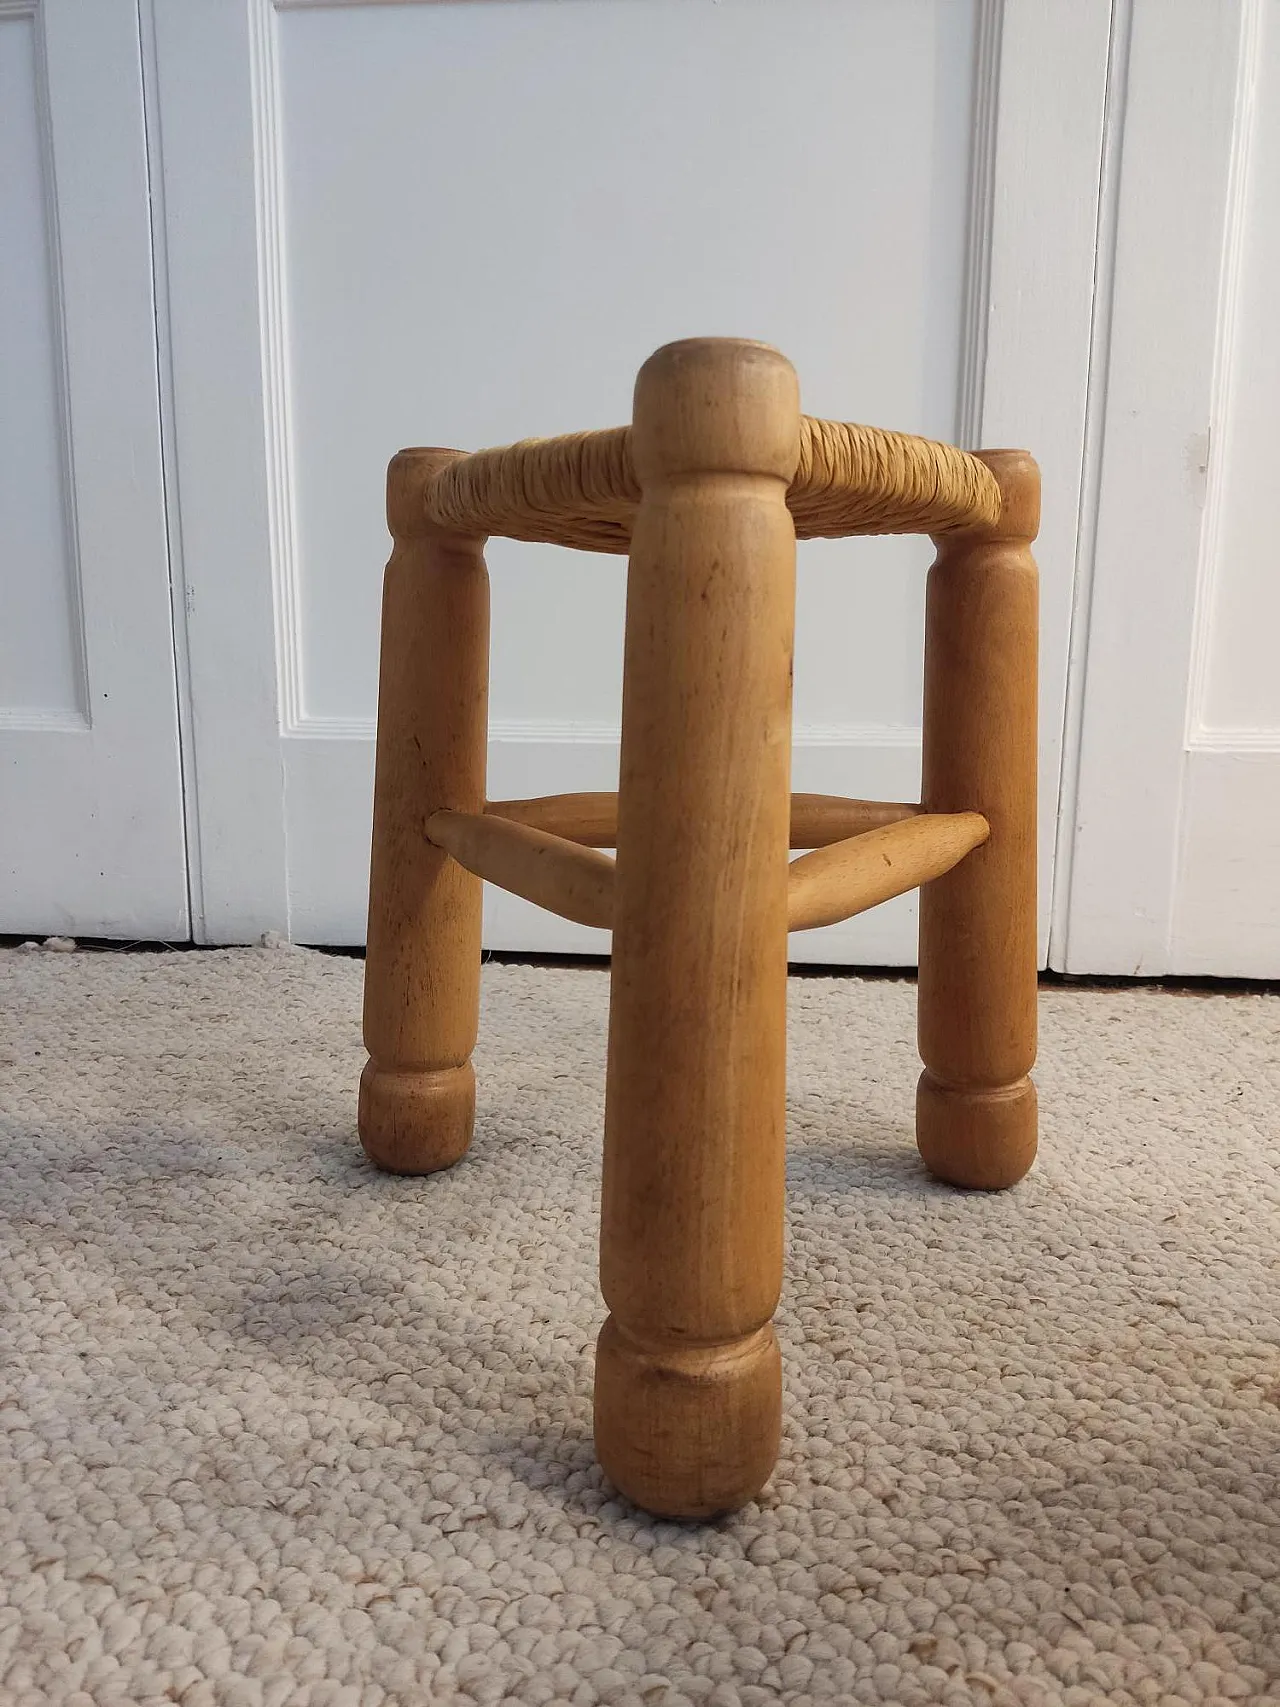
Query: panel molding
16,719
563,732
1223,739
980,226
1091,468
269,191
1146,515
1200,735
93,842
1023,317
335,5
1041,324
78,716
273,301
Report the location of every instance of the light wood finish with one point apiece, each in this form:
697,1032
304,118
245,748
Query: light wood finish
422,971
574,881
592,819
559,873
817,820
846,878
688,1389
688,1373
975,1106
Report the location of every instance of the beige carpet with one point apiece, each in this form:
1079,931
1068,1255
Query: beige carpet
278,1429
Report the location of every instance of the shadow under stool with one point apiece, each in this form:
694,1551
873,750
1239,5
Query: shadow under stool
707,492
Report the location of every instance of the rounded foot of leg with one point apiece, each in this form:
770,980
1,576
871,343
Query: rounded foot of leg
985,1139
416,1123
688,1433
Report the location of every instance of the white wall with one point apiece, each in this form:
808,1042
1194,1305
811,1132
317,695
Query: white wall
999,221
1173,838
390,224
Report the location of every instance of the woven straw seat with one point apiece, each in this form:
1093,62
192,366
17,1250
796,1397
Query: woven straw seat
581,490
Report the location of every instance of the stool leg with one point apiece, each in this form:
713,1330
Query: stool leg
688,1376
975,1106
422,969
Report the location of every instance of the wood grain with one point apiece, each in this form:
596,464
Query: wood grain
573,881
422,968
817,820
592,819
848,877
687,1379
976,1106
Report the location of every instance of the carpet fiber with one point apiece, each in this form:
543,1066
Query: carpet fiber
277,1428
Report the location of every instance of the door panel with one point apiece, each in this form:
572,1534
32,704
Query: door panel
467,223
91,835
1177,825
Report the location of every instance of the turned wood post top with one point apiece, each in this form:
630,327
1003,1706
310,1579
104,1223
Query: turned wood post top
716,406
409,474
1018,476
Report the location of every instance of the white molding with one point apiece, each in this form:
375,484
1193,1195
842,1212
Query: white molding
264,88
1206,739
1037,78
976,312
1051,104
18,719
92,843
557,733
57,285
205,123
1164,305
339,5
273,296
1217,451
81,715
1104,266
856,735
180,597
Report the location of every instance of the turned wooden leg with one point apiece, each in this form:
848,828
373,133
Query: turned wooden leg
422,971
976,1107
688,1378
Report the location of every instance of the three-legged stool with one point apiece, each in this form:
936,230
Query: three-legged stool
707,491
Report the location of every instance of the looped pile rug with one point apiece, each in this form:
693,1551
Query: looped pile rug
277,1429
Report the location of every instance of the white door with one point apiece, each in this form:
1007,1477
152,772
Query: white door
1174,861
467,223
91,830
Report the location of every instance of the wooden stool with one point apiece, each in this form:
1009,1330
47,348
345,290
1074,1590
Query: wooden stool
707,491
